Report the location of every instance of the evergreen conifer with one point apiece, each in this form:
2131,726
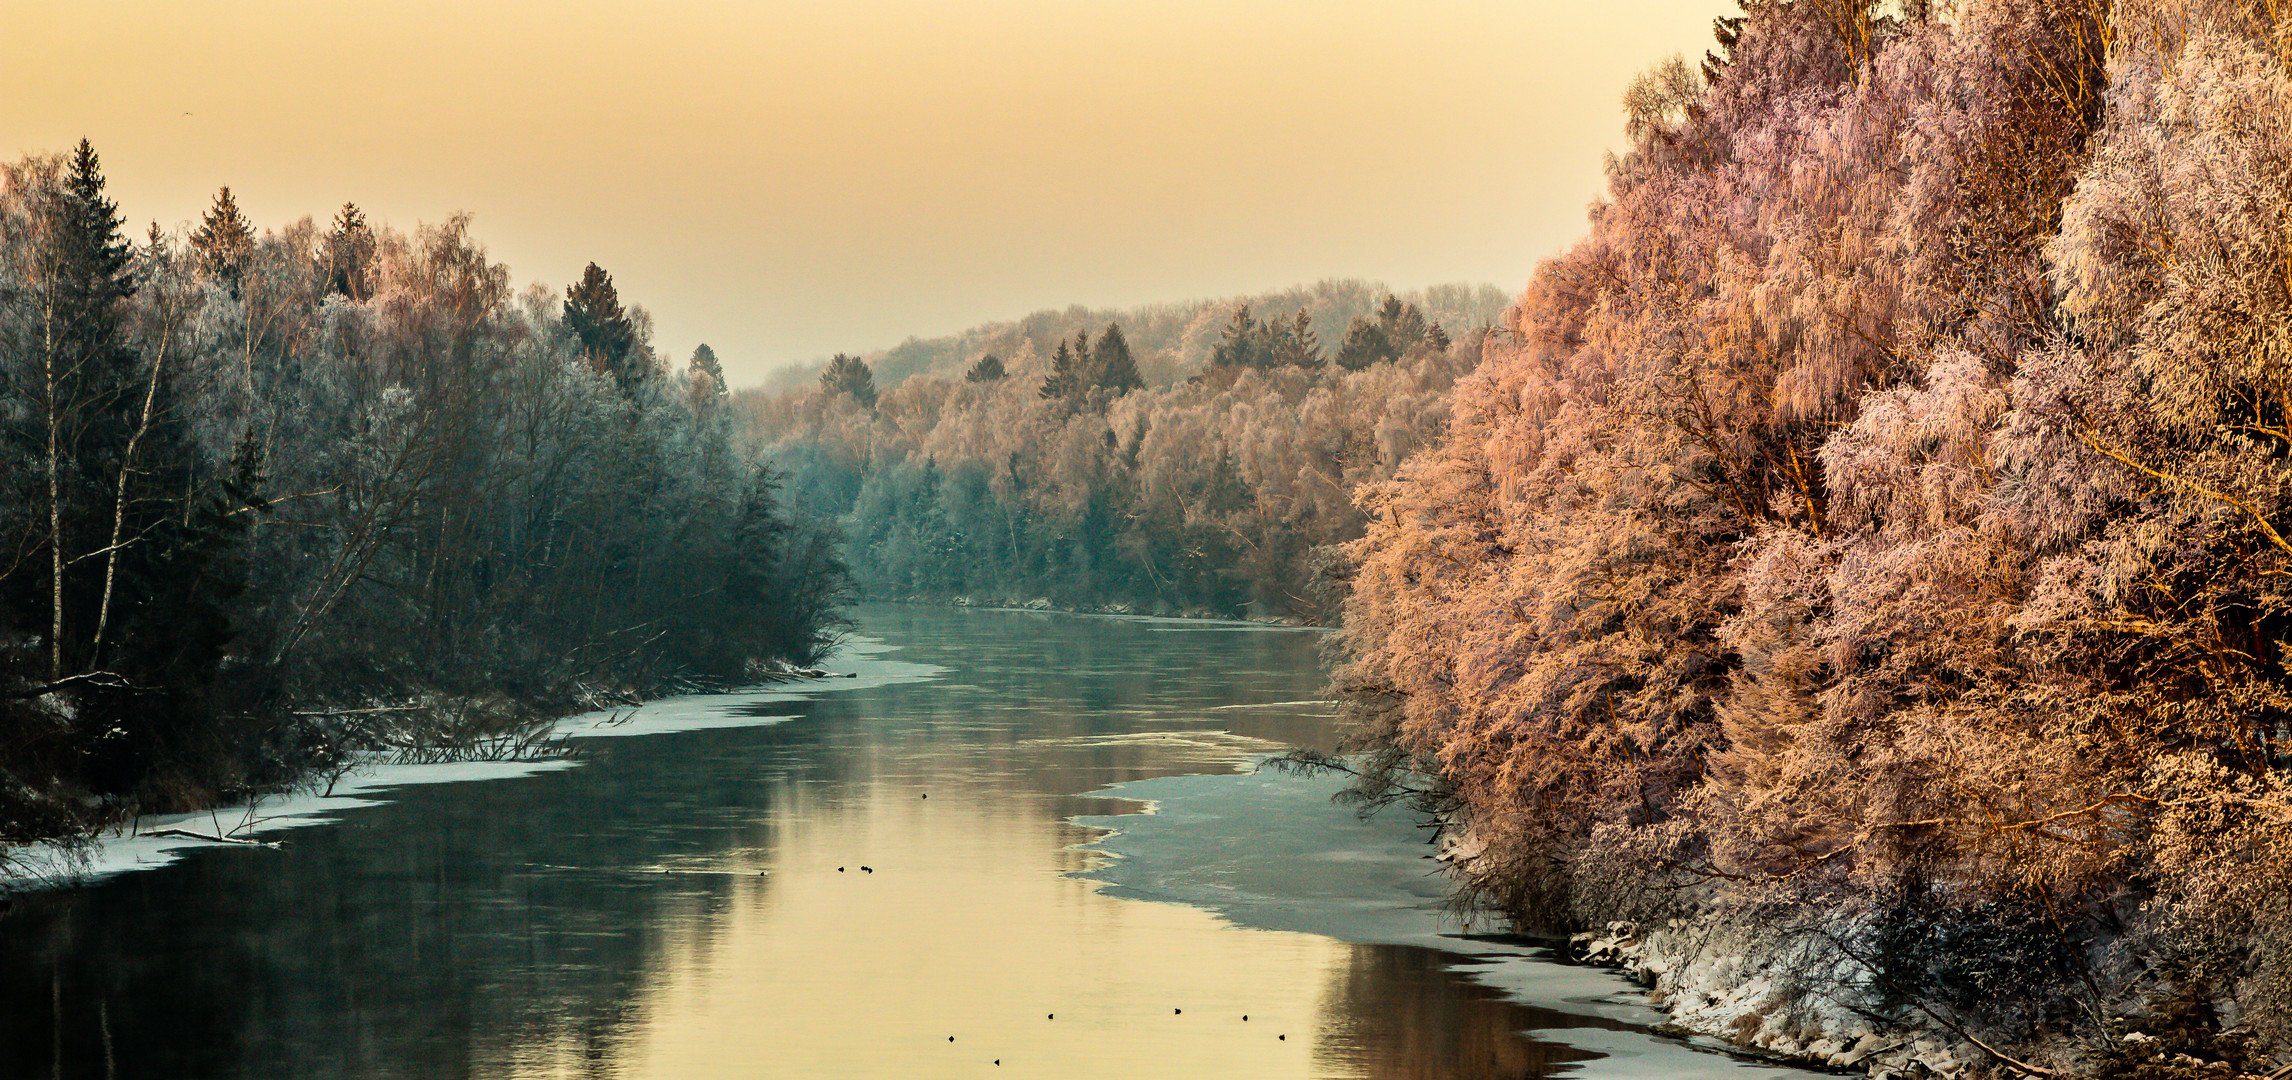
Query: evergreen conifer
1112,367
608,339
224,242
851,377
988,369
349,248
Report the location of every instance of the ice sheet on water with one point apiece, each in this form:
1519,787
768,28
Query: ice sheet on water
1272,851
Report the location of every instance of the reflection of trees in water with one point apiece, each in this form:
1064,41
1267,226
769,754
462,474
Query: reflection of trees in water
464,927
391,950
1397,1012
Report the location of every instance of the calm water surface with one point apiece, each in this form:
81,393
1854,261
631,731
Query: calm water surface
833,894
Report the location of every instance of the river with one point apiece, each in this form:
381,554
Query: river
1021,845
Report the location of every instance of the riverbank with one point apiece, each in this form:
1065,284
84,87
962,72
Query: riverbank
150,841
1850,982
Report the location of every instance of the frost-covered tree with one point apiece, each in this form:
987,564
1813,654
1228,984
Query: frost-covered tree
373,499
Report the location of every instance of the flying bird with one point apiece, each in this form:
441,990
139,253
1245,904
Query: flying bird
869,869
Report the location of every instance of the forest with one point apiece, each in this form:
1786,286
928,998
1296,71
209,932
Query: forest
1847,586
1864,552
274,503
1188,459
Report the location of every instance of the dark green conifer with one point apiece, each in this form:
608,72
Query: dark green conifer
1295,344
1064,380
1365,344
1240,344
1112,367
707,370
988,369
607,338
851,377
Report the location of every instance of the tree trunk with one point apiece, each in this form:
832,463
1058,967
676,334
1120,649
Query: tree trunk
55,494
119,497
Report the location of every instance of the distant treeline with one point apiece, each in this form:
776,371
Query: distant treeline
1060,474
1170,341
269,502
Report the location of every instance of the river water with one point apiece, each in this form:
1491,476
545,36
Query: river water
1023,845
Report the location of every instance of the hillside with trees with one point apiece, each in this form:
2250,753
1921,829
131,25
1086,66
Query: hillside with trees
1170,341
1066,475
275,502
1855,577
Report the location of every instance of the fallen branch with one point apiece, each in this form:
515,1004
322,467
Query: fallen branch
242,841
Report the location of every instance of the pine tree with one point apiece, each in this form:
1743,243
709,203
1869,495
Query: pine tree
141,551
349,248
988,369
1365,344
1064,380
224,242
81,396
1403,324
1296,345
849,376
608,339
707,370
1240,344
1112,367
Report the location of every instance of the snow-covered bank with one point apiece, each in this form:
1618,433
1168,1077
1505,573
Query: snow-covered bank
1742,984
136,847
1270,851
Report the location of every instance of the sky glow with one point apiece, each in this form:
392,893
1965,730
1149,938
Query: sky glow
784,181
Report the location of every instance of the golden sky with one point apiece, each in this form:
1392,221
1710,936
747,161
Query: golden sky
787,180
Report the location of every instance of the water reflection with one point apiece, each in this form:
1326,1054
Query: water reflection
676,908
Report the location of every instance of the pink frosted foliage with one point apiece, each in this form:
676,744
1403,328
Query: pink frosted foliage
1896,478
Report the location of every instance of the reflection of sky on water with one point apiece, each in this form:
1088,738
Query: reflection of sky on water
674,908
